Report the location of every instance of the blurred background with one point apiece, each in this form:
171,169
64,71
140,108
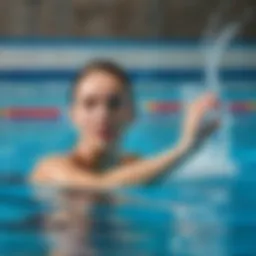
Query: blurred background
173,50
113,18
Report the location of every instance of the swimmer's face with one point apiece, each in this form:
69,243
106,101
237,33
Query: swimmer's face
101,108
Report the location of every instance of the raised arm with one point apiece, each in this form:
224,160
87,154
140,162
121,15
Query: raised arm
147,170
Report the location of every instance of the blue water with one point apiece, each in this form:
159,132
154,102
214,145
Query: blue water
214,217
210,216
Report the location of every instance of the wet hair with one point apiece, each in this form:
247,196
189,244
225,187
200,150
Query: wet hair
101,65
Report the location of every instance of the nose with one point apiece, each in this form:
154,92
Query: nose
105,113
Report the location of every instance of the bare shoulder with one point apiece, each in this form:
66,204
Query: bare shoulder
48,168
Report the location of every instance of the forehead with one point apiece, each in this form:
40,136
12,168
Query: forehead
99,82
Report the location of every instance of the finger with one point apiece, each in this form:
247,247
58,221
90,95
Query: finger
207,96
205,102
210,100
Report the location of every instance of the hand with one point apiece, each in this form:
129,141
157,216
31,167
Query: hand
194,130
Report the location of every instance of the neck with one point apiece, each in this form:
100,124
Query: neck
90,156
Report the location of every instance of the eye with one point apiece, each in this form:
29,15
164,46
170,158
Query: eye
114,102
89,103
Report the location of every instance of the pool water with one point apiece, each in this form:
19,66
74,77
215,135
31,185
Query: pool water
214,217
204,215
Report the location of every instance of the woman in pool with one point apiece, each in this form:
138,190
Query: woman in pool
101,109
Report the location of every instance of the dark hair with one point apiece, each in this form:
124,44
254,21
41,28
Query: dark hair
105,66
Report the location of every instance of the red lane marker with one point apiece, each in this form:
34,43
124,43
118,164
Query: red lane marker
33,113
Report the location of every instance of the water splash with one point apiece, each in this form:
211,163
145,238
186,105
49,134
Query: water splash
215,44
214,47
213,57
214,54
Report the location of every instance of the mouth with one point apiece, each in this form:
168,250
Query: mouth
107,134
